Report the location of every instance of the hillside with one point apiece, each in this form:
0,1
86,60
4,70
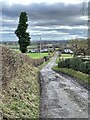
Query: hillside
20,86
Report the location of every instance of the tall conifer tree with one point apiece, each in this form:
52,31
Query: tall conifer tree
23,36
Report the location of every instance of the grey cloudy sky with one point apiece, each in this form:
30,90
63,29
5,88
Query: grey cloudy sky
55,20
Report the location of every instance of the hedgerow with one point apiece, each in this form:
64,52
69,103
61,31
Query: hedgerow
75,63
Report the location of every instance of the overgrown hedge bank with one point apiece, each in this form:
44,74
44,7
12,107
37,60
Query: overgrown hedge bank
37,62
20,87
76,63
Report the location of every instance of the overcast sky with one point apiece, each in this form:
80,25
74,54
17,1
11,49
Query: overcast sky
48,19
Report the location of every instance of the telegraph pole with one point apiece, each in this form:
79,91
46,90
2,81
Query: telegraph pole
40,46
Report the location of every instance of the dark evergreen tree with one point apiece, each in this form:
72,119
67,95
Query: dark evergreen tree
23,36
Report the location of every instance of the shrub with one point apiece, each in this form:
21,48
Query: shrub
82,67
61,64
67,63
76,63
46,58
88,67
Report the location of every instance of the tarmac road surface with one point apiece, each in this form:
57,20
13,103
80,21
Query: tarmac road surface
61,97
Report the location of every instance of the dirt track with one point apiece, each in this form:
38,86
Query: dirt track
61,97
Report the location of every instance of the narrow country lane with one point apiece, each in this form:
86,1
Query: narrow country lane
61,97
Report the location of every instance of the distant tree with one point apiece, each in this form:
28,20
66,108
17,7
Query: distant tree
23,36
79,46
88,50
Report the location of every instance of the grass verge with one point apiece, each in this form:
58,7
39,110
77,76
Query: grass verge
45,63
79,75
42,65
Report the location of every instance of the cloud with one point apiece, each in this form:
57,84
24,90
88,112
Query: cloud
43,11
47,18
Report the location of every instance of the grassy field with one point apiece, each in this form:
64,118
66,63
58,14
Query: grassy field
64,56
37,55
33,55
17,46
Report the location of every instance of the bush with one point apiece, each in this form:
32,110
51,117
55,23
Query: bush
61,64
46,58
67,63
88,67
76,64
82,67
64,63
85,67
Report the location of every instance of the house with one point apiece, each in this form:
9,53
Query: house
67,50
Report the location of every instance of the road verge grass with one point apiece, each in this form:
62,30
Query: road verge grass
81,78
46,62
79,75
76,74
43,64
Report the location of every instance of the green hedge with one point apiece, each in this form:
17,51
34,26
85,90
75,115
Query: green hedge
75,63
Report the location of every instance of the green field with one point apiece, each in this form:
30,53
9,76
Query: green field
37,55
33,55
66,55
